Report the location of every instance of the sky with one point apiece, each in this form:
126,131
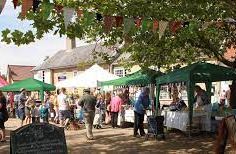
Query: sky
32,54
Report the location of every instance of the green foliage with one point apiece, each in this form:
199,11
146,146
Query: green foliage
191,43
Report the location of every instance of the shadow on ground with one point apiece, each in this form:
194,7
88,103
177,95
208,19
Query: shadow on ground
5,147
123,143
110,140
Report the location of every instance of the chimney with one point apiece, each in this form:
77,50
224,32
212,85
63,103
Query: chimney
70,43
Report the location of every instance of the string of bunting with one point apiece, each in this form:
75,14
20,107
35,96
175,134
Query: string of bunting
108,21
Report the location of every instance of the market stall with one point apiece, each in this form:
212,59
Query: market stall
89,78
141,77
29,84
200,72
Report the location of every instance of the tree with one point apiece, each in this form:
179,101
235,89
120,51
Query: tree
206,34
145,44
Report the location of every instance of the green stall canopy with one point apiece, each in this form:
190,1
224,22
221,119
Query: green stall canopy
141,77
199,72
29,84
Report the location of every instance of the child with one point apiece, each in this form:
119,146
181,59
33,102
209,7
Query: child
52,112
35,113
43,109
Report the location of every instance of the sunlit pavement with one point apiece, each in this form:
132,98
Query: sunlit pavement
119,140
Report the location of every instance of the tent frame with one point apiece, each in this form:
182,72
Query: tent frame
199,72
141,77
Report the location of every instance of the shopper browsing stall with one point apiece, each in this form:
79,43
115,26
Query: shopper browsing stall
116,103
140,106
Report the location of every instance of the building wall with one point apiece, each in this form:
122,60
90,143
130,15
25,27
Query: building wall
69,73
44,75
64,74
117,69
53,76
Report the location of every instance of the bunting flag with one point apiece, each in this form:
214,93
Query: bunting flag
108,23
162,27
186,24
138,22
146,24
79,13
175,25
46,9
99,17
119,21
58,8
2,4
88,17
68,15
26,6
219,24
35,5
15,3
155,25
205,25
128,24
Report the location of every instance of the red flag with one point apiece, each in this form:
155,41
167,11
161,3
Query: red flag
26,6
219,24
119,21
80,13
175,25
15,3
155,25
138,22
108,23
58,8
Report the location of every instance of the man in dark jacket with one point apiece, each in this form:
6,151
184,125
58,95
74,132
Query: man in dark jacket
88,103
140,106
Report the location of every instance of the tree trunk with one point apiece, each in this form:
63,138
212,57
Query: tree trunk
233,92
233,95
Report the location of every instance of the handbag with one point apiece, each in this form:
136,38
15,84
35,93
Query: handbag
4,115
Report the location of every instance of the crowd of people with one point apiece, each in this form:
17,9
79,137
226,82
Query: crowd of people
96,108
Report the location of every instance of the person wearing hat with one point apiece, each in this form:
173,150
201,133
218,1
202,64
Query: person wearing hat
21,105
88,102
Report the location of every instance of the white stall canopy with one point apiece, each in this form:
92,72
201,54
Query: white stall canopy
89,78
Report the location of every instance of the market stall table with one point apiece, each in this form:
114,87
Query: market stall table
180,119
128,116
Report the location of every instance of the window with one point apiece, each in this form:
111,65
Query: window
75,73
119,72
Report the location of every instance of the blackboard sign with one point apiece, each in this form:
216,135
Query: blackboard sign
38,138
155,124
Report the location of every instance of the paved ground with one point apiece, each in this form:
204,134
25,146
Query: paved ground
121,141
